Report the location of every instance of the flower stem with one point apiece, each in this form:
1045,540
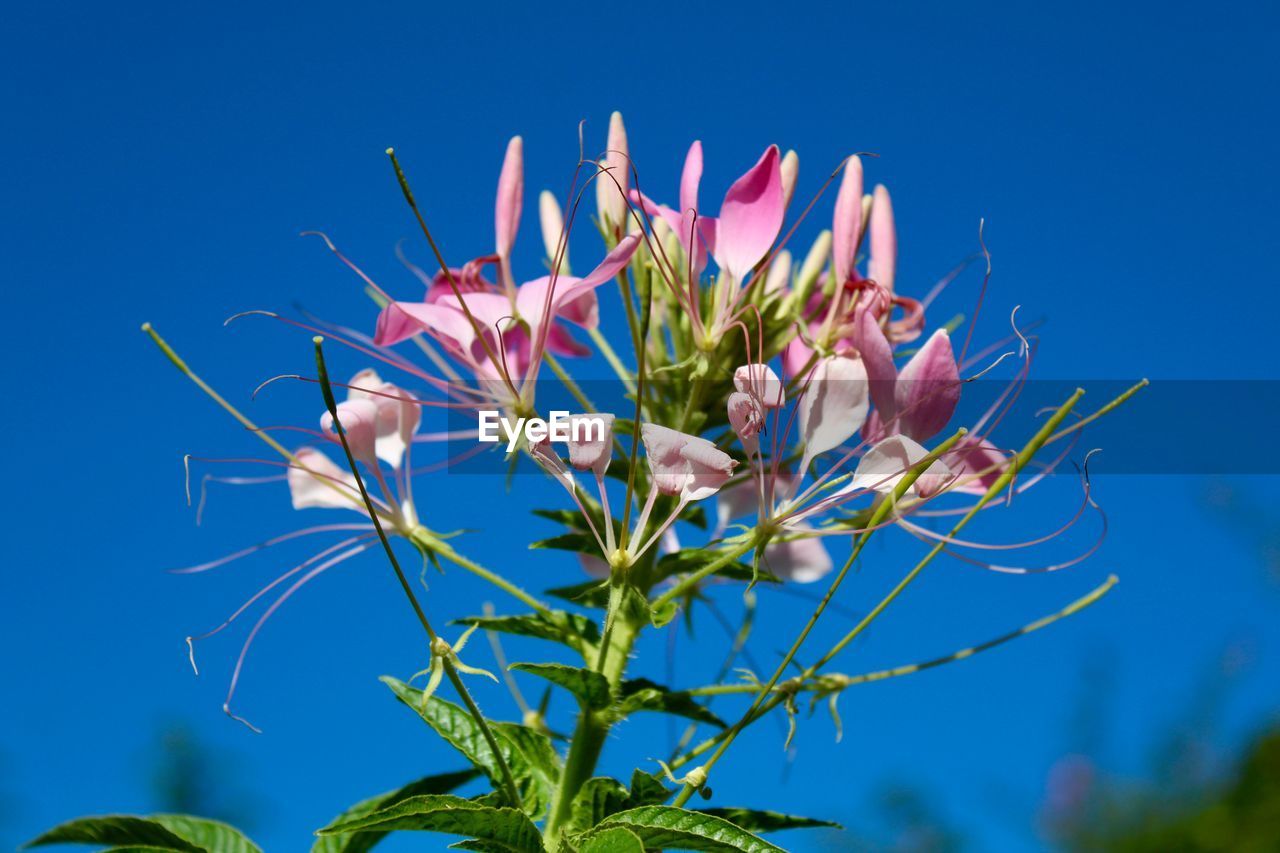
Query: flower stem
508,781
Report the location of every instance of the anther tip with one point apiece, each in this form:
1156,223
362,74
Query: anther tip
317,340
146,327
391,152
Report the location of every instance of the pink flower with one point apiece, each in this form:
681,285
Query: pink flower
746,416
884,465
611,188
516,324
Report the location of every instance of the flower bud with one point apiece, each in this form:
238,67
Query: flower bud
552,222
611,192
811,268
790,171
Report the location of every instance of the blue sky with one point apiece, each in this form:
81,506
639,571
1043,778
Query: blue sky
161,160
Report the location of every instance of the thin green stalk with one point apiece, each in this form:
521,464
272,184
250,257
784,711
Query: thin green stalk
881,512
424,538
822,681
606,350
508,781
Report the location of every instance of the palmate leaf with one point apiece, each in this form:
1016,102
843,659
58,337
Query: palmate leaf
506,830
362,842
582,543
755,820
641,694
591,688
598,798
670,828
168,832
528,753
618,839
589,594
572,629
646,789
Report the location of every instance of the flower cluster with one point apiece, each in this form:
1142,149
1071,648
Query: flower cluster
809,396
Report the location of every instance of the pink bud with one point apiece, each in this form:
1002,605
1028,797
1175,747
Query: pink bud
591,442
611,192
847,222
761,382
506,215
884,240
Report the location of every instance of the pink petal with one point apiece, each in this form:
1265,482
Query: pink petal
506,214
591,442
315,490
847,221
834,405
882,468
747,419
359,419
928,388
613,263
761,383
750,217
400,321
662,450
709,468
877,355
799,560
978,464
884,240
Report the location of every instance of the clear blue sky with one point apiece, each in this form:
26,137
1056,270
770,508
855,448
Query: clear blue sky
160,160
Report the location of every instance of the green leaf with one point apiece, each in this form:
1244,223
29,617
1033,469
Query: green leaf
668,827
507,830
528,753
619,839
170,832
572,629
598,798
582,543
364,841
588,594
647,789
641,694
591,688
755,820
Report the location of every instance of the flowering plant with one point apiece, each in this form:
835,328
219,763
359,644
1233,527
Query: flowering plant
807,396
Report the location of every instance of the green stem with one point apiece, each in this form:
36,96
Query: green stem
602,343
423,538
590,734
